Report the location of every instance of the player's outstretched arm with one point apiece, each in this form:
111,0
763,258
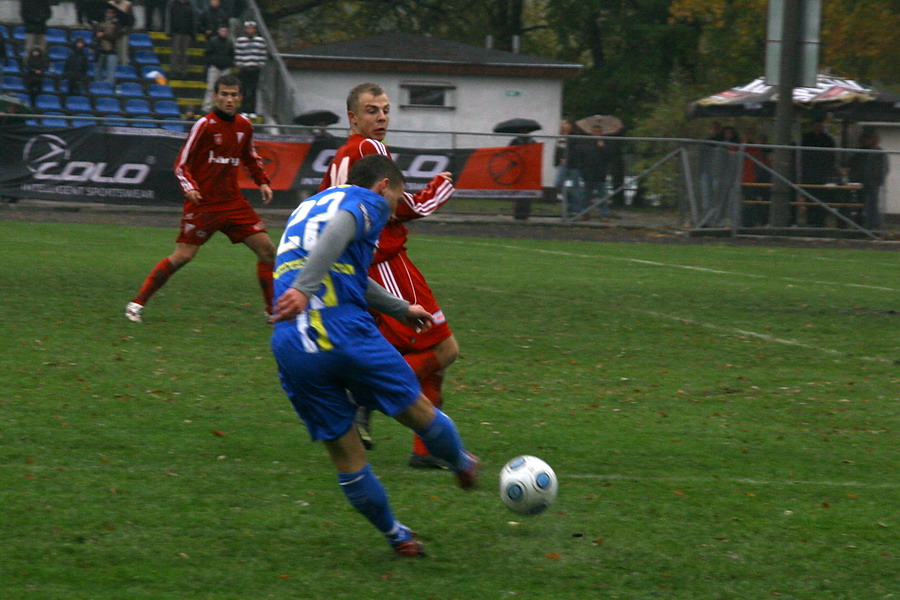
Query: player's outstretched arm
266,192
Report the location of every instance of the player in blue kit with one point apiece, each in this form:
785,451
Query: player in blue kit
327,344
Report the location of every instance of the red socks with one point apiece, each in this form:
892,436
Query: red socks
158,276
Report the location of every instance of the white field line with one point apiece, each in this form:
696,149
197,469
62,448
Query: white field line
711,326
672,265
735,480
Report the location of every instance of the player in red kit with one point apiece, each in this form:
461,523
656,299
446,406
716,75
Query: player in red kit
207,169
428,352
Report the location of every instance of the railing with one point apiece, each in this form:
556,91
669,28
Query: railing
275,85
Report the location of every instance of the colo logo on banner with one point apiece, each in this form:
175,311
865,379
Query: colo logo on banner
47,157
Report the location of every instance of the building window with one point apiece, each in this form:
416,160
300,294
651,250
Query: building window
428,95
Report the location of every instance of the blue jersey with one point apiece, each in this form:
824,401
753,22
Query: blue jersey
347,279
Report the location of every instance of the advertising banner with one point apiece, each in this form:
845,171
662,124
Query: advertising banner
125,165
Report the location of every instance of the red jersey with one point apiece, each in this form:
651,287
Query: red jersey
210,159
412,206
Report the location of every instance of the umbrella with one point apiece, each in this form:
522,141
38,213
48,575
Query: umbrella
609,125
517,125
316,118
844,98
95,11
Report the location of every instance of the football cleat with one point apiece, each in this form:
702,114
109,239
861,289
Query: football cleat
133,312
427,461
467,475
410,549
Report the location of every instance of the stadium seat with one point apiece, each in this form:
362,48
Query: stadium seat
47,102
56,68
78,104
11,67
107,105
167,108
101,88
22,98
174,125
48,86
19,33
54,119
115,123
4,32
86,122
32,122
140,40
146,57
86,35
130,89
13,83
137,107
159,90
126,72
58,52
57,36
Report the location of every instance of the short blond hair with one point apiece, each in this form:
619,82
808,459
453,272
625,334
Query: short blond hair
359,90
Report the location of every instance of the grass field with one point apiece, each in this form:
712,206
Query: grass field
723,421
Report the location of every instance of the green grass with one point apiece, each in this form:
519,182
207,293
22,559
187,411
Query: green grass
723,421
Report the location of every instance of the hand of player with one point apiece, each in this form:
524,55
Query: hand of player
446,175
289,305
418,318
266,192
194,196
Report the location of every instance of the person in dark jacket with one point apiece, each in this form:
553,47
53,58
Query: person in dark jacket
219,58
76,67
36,65
212,18
35,14
870,169
181,25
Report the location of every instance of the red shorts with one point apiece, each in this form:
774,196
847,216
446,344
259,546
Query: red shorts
237,223
400,277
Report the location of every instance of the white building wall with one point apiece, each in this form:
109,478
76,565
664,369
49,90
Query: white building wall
480,103
890,194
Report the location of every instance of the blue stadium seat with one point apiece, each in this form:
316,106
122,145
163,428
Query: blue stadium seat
174,125
57,36
22,97
54,119
58,52
47,102
114,123
48,86
140,40
126,72
101,88
167,108
131,89
19,33
56,68
78,104
83,122
4,32
86,35
11,67
146,57
63,86
137,107
13,83
159,90
107,105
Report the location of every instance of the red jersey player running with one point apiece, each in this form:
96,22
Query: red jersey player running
207,170
427,352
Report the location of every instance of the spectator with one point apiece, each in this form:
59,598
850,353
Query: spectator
35,70
817,167
594,169
126,23
716,132
35,14
181,27
870,169
76,67
212,18
249,57
81,17
615,154
190,114
106,36
569,183
155,15
219,57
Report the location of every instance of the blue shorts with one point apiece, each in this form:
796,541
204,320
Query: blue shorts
361,362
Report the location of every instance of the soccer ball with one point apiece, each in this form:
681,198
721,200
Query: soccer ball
527,485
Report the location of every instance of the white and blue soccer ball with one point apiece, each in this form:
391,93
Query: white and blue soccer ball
528,485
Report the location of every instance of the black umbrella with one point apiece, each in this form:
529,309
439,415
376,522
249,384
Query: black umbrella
95,11
517,125
316,118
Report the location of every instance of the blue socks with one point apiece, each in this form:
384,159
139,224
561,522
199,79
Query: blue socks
442,440
365,492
